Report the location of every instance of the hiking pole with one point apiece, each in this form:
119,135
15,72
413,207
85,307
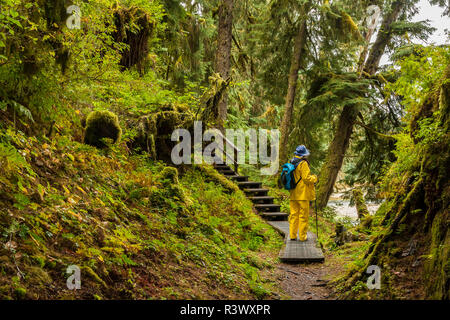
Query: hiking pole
317,224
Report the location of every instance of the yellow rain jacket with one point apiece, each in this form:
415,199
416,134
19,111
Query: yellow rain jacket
305,189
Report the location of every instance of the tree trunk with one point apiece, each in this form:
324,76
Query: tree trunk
384,35
335,157
296,59
340,143
223,54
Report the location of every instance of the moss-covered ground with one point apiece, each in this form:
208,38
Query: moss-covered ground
136,229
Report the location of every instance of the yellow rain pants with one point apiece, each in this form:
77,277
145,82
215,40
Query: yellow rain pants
298,219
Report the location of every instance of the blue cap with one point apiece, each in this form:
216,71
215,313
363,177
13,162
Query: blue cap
301,151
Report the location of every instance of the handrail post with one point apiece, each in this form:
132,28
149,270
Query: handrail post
236,161
226,155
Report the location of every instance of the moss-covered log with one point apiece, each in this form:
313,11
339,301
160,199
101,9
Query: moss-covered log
217,178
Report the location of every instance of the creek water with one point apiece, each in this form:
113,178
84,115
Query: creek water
343,208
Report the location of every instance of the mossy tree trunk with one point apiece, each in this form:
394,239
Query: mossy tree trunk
137,41
223,54
361,207
300,41
341,140
336,153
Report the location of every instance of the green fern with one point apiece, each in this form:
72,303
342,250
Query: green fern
21,109
12,161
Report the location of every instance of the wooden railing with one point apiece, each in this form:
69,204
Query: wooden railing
227,156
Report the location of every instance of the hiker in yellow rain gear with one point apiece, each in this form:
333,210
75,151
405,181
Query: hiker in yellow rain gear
300,197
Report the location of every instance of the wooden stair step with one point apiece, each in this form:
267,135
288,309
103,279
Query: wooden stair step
238,178
222,167
262,199
256,191
228,172
298,251
247,184
274,215
265,207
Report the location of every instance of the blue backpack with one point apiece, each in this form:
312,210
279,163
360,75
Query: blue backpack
287,174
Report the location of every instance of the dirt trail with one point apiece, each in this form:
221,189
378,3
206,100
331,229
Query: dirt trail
308,281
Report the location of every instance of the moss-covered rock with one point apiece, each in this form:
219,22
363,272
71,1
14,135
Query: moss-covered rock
100,125
170,174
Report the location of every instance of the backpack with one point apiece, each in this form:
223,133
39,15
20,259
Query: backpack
287,174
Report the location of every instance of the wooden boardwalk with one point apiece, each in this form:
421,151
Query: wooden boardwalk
298,251
293,251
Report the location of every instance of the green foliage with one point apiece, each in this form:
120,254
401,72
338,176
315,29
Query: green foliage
421,30
420,73
12,162
20,292
14,168
185,50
